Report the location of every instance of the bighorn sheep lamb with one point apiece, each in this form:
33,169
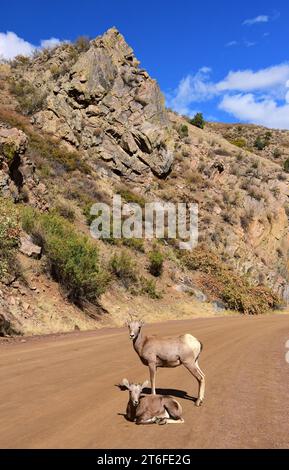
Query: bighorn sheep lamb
149,409
155,351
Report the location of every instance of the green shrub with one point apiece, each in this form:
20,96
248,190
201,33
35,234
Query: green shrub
30,98
130,196
194,178
286,165
248,299
28,217
66,210
91,217
9,236
86,212
59,70
82,44
149,288
56,154
235,290
20,60
134,243
198,121
123,267
260,143
72,258
268,135
9,151
45,146
156,259
240,142
286,208
183,131
277,153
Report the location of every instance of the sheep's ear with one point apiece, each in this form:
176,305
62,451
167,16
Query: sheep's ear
145,384
129,319
142,322
125,383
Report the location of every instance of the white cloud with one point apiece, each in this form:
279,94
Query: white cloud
191,89
287,94
262,19
257,19
49,43
250,43
260,96
231,44
244,42
247,80
265,112
12,45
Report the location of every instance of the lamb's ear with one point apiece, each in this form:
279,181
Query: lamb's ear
142,322
145,384
125,383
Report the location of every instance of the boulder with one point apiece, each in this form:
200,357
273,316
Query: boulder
7,327
219,306
28,248
13,142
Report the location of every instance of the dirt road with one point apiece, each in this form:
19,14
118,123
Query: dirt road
61,391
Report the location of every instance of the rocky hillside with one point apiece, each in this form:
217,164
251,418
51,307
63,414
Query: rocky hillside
272,144
82,122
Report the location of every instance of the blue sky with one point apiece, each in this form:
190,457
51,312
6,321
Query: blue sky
229,60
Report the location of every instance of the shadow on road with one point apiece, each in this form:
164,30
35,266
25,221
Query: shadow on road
172,392
165,391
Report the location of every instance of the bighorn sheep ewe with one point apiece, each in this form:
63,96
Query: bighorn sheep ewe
149,409
155,351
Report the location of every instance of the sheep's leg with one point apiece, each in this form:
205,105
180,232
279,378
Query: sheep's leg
175,421
169,417
152,369
202,385
195,370
145,420
173,409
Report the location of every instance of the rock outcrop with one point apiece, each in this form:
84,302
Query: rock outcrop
13,144
108,107
17,172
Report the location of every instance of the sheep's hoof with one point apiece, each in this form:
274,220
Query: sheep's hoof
161,421
199,402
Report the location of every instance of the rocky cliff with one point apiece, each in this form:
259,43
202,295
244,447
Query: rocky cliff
106,106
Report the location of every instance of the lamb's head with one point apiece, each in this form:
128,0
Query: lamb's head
134,390
134,327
